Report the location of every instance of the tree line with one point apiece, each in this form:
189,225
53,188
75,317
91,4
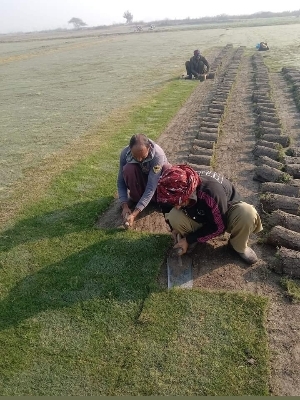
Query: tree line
79,23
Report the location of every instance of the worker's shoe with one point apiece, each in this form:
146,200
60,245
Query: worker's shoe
189,77
248,255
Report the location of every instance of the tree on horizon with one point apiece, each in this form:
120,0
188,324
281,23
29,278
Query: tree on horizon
77,22
128,16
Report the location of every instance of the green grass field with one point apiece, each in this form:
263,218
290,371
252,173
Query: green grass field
81,312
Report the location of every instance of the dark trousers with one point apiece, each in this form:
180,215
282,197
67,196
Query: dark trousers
201,68
136,181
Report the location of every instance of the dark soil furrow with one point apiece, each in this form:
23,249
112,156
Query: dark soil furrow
200,157
286,107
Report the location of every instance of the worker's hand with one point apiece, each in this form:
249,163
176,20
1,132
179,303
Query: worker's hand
183,244
130,219
125,211
174,234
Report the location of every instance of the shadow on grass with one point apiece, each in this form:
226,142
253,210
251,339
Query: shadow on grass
101,271
55,223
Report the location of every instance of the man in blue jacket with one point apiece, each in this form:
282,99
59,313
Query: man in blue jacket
141,165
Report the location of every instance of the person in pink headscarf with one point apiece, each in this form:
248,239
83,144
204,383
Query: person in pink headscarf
205,205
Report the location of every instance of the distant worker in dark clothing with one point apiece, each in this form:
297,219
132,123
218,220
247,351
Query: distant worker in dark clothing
198,65
262,46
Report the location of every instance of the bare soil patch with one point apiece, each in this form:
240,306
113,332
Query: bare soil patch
214,266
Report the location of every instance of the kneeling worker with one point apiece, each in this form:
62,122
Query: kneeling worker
198,65
205,205
141,165
263,46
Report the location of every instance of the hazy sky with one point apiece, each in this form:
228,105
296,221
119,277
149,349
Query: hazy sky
35,15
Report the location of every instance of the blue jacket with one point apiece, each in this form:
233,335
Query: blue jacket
151,166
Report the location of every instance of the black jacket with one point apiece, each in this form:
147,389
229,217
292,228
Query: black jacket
215,194
196,63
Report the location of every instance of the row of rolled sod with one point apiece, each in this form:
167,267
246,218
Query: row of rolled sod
278,171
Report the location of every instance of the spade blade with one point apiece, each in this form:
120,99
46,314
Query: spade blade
179,271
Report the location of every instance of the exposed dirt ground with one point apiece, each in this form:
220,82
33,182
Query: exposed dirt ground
214,267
